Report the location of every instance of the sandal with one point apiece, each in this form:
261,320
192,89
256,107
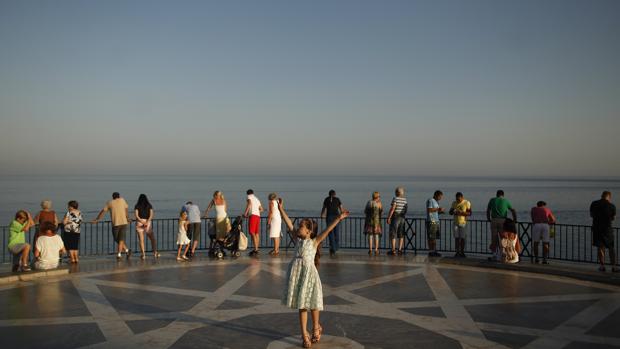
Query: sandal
316,334
305,341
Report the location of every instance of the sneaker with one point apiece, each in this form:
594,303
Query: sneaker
185,258
156,254
118,256
26,268
179,259
128,252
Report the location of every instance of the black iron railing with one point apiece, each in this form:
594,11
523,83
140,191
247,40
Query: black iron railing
571,242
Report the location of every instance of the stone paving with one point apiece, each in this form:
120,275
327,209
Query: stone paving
371,302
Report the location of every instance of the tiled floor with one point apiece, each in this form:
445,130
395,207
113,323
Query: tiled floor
371,302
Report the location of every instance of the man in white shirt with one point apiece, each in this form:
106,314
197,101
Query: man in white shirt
193,214
48,248
253,209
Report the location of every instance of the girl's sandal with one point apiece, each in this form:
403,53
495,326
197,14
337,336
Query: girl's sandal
316,334
305,341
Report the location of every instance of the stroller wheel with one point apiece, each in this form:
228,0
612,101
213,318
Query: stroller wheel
237,253
220,255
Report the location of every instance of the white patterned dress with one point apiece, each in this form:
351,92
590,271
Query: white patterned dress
304,289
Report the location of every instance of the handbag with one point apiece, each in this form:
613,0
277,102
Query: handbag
243,241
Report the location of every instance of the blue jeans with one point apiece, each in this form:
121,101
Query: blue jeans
334,236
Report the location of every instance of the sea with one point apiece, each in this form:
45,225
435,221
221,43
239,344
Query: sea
569,199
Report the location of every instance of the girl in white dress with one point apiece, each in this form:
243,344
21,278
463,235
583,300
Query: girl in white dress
182,239
303,288
274,224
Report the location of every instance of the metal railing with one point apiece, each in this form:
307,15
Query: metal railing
571,242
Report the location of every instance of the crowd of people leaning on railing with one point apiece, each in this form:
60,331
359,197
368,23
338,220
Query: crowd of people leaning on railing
505,243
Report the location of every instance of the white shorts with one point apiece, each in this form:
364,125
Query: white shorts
460,231
540,231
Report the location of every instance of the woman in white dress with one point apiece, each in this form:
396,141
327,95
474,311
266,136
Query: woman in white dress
274,223
222,223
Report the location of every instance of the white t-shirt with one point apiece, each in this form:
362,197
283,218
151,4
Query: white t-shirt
49,248
254,205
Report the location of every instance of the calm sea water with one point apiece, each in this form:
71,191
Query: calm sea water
569,199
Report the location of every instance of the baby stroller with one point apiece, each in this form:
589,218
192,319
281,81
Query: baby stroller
230,242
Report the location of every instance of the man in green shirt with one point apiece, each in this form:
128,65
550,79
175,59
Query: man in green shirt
17,240
497,212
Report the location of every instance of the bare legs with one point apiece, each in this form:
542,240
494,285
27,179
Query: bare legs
375,238
184,253
73,255
25,254
255,241
276,246
545,251
151,237
612,258
303,322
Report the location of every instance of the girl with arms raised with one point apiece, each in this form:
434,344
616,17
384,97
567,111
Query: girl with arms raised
303,288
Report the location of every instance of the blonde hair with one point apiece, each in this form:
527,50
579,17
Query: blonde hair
218,193
375,195
46,204
400,191
272,196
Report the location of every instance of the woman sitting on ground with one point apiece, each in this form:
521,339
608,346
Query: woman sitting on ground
509,247
48,248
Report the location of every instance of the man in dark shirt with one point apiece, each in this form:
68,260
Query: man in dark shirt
332,208
603,213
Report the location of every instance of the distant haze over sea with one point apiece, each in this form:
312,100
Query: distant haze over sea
303,195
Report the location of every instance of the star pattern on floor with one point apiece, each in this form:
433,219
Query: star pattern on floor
375,302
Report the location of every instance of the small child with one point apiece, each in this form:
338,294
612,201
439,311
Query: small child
304,291
182,239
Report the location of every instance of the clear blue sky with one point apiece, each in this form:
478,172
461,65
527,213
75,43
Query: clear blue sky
522,88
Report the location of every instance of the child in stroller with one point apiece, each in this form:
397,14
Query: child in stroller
231,241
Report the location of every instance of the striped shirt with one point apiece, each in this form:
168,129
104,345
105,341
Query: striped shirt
400,205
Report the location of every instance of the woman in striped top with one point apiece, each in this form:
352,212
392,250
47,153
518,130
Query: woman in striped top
396,220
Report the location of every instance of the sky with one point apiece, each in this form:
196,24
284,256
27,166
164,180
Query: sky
450,88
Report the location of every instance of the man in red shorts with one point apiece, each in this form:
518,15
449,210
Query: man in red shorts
253,209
